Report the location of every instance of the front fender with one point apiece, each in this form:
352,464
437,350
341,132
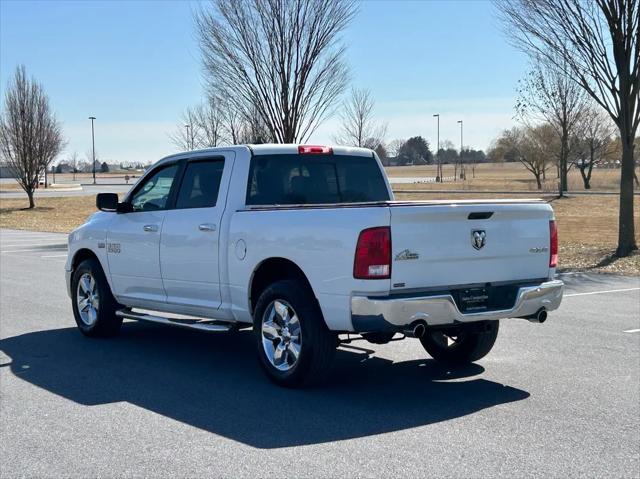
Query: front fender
89,239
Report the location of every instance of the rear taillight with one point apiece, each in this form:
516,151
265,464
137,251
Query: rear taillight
373,254
314,150
553,244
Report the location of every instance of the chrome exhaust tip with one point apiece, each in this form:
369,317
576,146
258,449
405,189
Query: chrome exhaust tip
542,315
415,331
539,317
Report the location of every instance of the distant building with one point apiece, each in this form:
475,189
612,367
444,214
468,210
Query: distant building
390,161
5,172
64,168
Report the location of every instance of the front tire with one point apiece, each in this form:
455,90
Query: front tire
462,345
294,345
94,307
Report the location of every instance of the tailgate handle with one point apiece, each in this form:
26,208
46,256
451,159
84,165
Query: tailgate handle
480,215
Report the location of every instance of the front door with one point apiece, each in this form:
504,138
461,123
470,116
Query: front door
189,246
133,240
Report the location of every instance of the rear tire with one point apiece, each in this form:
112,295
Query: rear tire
460,346
94,307
295,347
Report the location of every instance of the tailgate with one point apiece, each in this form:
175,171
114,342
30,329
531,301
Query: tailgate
449,244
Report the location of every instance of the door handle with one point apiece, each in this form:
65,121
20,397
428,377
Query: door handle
207,227
150,228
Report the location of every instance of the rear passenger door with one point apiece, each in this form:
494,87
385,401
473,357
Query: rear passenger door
189,244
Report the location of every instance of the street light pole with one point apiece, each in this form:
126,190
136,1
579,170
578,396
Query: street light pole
93,149
189,137
439,171
462,172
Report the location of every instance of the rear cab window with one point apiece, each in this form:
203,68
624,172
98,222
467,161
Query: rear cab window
294,179
200,184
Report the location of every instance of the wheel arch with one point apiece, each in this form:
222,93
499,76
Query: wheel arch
83,254
271,270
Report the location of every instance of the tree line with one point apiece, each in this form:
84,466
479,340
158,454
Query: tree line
560,128
593,48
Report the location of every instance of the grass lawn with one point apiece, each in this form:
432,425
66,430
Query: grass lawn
503,177
587,225
10,187
59,215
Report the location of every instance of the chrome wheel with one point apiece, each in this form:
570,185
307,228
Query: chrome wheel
281,335
87,299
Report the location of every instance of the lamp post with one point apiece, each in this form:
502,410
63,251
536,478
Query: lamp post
439,169
463,174
189,144
93,149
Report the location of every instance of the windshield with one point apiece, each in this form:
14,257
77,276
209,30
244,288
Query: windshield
314,179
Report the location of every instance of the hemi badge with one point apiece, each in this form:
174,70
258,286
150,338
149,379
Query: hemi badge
101,244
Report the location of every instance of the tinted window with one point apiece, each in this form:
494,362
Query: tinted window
302,179
200,185
153,194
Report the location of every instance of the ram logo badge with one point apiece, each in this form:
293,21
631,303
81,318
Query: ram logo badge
406,254
478,238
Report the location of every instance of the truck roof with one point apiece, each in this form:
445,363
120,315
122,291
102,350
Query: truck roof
291,148
270,149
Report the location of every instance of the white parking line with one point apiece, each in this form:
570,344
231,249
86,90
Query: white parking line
54,256
40,243
632,331
33,250
4,234
602,292
18,240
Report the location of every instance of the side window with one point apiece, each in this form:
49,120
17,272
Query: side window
200,184
154,192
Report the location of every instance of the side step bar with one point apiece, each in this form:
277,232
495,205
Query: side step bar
188,323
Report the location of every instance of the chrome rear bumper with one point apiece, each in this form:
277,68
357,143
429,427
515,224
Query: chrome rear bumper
374,314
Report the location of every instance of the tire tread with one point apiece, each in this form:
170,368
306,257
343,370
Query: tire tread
317,362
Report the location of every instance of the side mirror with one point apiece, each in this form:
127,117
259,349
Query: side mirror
107,201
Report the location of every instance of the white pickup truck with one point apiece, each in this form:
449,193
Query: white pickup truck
305,244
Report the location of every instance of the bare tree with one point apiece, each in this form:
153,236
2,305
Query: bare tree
548,94
210,120
30,135
358,126
594,141
202,126
596,43
282,58
394,146
529,145
233,123
381,151
188,131
73,163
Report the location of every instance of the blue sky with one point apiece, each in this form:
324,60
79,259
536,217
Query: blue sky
135,66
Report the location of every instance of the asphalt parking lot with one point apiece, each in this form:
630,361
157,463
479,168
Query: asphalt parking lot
558,399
